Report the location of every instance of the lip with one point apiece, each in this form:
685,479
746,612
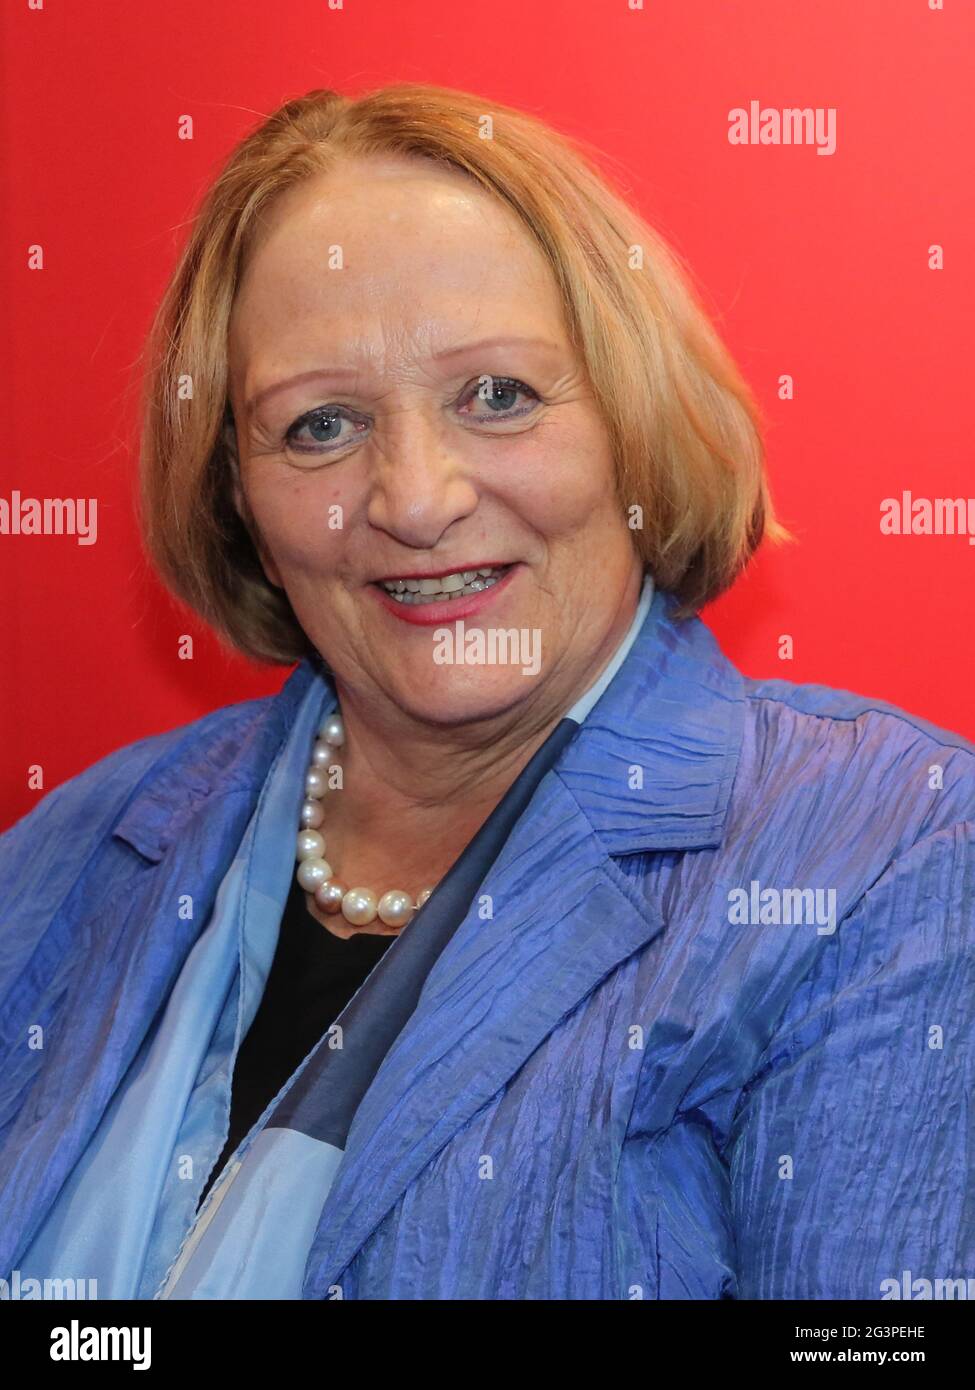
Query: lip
436,614
436,574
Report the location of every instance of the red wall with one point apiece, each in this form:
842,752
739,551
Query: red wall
815,266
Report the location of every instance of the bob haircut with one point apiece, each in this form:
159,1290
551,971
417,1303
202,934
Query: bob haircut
684,428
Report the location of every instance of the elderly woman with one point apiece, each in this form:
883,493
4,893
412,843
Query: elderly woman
520,947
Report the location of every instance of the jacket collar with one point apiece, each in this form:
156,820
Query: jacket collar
669,726
228,750
673,716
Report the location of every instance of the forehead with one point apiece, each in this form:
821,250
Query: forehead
398,248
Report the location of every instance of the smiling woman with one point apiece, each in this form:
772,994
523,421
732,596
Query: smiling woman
445,972
459,433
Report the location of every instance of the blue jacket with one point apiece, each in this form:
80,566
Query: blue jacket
716,1040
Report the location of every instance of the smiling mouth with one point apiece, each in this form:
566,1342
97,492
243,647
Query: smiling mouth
459,584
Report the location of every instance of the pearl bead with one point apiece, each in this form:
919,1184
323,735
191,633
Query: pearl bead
311,845
395,908
329,895
332,730
359,906
315,784
322,755
312,872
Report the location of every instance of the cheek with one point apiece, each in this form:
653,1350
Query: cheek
568,482
301,520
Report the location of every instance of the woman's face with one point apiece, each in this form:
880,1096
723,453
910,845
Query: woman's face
407,403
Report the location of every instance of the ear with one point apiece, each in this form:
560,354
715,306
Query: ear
229,437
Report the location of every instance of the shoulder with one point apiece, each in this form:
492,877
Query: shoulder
842,708
100,791
68,839
848,769
855,732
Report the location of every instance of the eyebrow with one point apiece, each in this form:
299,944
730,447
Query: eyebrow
444,355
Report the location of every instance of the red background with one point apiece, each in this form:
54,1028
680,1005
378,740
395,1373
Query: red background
814,266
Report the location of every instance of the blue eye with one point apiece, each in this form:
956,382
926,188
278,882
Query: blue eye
324,424
495,391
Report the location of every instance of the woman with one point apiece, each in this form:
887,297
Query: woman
520,947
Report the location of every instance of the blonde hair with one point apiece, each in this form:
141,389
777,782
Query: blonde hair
685,431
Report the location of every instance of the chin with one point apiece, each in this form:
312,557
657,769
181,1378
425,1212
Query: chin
457,696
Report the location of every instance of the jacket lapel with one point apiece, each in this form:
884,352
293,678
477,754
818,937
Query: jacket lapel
651,768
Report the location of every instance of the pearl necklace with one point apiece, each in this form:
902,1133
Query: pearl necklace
359,906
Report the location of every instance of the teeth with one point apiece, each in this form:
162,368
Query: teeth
446,586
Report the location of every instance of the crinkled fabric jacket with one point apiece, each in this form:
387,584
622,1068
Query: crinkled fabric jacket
715,1042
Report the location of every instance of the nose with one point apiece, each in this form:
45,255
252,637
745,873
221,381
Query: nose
421,484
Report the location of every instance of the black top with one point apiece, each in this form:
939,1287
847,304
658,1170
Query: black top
313,976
